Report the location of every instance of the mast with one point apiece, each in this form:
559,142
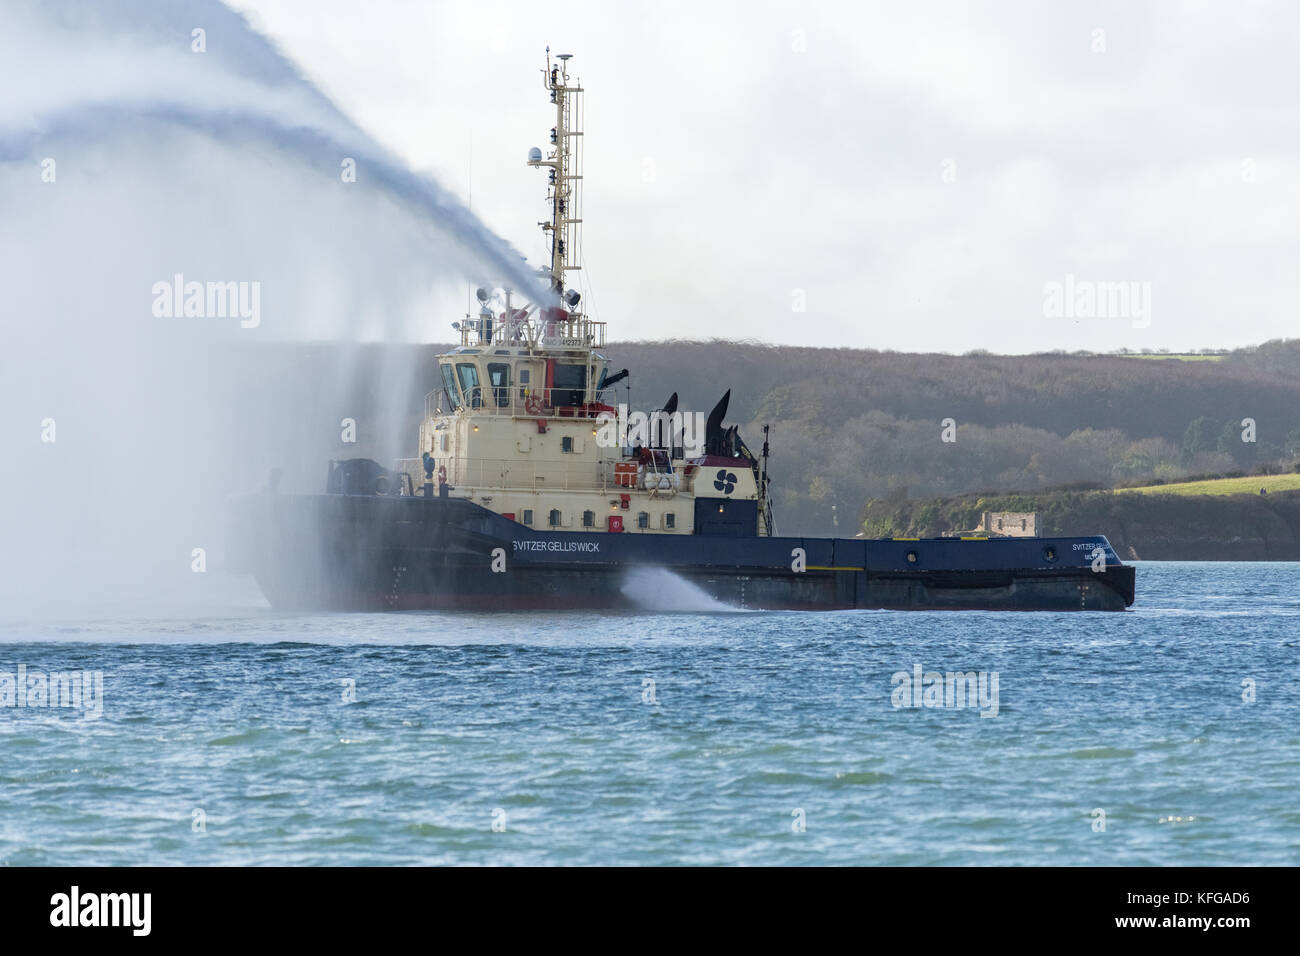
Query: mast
556,323
564,162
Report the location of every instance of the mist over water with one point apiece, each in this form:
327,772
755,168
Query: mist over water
127,159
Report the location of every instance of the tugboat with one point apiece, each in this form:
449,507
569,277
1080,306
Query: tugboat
530,490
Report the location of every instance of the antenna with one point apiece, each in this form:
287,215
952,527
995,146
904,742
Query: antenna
469,204
563,162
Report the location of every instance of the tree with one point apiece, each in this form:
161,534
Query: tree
1230,443
1292,445
1201,435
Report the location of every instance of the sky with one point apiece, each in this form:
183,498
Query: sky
913,175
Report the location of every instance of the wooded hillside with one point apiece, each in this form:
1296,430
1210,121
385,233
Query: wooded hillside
849,426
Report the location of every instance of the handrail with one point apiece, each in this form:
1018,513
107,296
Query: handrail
509,474
516,401
561,474
549,328
413,468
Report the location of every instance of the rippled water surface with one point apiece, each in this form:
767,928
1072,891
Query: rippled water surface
684,737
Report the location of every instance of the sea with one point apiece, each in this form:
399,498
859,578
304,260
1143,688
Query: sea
683,732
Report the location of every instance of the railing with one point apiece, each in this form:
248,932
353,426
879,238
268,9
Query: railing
509,474
413,467
518,475
547,328
522,401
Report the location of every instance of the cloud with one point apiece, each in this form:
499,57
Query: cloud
821,170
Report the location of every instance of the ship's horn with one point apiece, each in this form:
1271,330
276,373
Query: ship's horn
606,380
713,435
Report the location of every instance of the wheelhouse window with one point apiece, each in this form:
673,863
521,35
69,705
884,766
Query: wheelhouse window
499,378
449,386
468,373
570,384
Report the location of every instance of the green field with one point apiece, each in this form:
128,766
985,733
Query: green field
1249,485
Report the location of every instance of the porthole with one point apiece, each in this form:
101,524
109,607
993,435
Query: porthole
911,557
1049,553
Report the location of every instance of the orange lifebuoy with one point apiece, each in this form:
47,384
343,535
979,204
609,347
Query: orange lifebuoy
533,405
442,474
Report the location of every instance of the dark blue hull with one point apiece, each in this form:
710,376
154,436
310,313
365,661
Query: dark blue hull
368,552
